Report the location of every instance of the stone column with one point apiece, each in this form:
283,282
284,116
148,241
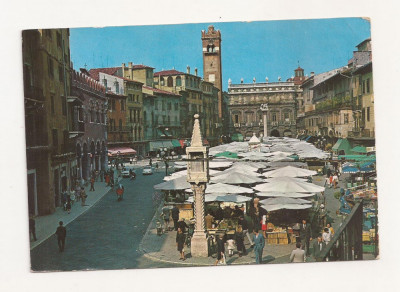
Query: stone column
264,109
199,245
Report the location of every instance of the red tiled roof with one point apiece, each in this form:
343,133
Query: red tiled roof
116,95
168,72
94,73
130,80
160,91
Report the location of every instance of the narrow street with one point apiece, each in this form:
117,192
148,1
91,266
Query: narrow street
107,236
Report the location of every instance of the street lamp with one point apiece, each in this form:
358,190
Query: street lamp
163,153
198,177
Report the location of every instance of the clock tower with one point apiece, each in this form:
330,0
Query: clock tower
212,68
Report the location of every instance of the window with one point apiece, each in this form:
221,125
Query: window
130,115
64,105
52,104
162,81
55,137
156,104
120,124
105,83
122,105
176,106
346,118
368,85
59,42
98,117
274,117
368,114
116,84
169,81
178,81
163,105
50,67
286,116
169,106
236,119
113,104
60,73
363,115
363,87
130,97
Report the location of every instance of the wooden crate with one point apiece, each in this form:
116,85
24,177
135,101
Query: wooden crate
283,241
272,241
366,236
282,235
272,235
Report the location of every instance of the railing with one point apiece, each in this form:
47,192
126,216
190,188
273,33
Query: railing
346,244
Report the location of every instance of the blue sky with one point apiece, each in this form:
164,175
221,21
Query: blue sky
249,49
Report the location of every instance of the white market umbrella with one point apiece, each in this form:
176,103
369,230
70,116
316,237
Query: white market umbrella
222,198
231,171
290,171
219,188
219,164
288,195
270,208
284,200
181,173
290,185
236,178
283,178
179,183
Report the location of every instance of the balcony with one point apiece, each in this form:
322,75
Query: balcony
78,128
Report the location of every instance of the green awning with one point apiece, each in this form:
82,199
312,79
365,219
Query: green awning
353,157
176,143
155,145
359,149
342,145
167,144
237,137
227,154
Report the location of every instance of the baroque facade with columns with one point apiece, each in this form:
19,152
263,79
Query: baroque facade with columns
246,116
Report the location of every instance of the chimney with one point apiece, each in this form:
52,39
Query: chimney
195,71
241,80
188,69
130,66
312,74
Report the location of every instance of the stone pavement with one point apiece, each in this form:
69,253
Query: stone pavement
46,225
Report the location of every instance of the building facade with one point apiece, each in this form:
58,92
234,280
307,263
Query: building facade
51,161
89,108
246,117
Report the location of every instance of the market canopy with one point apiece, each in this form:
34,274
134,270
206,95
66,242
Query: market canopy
236,178
284,200
219,164
290,171
359,149
223,198
227,189
271,208
289,195
227,154
179,183
283,178
184,173
290,185
342,145
124,151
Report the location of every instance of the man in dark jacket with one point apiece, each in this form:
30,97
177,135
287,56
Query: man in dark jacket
220,248
318,247
219,215
61,233
305,236
175,216
243,222
182,225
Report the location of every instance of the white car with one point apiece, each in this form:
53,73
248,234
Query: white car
125,173
147,170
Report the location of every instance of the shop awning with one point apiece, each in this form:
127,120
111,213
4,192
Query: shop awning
155,145
342,145
168,144
121,151
359,149
176,143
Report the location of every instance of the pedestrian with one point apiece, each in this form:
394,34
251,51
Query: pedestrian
318,247
243,222
326,236
151,162
220,250
61,233
96,175
180,243
231,246
237,212
175,216
101,175
156,166
32,228
327,181
72,196
305,236
68,205
239,238
219,213
78,193
166,212
259,243
182,225
91,184
331,230
107,179
64,199
83,196
264,225
335,180
120,192
298,255
209,220
330,181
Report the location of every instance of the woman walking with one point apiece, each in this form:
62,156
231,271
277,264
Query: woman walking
83,196
239,237
180,242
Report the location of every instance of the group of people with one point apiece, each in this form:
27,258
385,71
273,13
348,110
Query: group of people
302,250
74,195
332,179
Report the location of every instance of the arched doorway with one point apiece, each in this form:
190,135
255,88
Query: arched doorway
85,162
275,133
98,153
287,133
169,81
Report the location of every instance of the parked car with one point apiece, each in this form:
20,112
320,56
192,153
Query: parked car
147,170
